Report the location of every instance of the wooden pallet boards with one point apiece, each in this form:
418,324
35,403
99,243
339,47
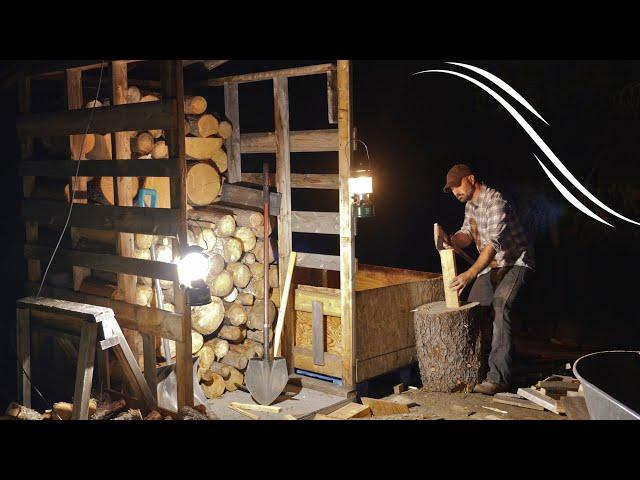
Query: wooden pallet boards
516,400
540,399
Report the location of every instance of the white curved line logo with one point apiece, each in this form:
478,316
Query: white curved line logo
536,138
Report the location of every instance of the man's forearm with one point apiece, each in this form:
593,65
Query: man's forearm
461,240
486,256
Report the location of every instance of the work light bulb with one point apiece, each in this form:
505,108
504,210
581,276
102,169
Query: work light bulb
194,266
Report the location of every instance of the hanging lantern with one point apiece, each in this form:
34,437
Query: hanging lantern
361,184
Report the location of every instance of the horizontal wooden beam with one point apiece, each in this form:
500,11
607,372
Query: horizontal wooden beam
303,301
116,118
325,140
316,260
259,76
153,221
144,319
249,198
100,168
106,262
40,67
315,222
321,181
303,359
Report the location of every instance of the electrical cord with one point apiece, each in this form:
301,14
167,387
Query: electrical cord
55,250
75,180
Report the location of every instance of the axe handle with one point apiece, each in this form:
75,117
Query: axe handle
469,260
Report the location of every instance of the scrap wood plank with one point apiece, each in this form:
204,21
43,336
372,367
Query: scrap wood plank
516,400
351,410
256,407
554,385
243,412
576,408
540,399
382,407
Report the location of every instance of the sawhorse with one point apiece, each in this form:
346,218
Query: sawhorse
94,325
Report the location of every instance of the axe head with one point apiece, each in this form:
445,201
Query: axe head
438,236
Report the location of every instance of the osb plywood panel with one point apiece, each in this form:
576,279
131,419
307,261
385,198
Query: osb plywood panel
332,331
384,321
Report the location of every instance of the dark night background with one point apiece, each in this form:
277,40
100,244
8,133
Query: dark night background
416,127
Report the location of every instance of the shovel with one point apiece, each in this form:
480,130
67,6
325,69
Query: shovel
167,382
266,377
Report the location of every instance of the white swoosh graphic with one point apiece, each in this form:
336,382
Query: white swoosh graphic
503,85
539,142
568,195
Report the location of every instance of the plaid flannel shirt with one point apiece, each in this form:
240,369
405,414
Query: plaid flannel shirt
492,221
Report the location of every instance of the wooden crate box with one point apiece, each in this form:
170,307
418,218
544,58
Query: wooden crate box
383,322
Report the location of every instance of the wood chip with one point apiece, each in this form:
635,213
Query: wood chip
495,409
351,410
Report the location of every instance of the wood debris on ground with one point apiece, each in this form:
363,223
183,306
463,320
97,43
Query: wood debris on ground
549,394
105,408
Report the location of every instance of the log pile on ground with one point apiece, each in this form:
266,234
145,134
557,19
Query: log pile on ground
106,408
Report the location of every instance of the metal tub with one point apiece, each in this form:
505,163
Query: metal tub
611,384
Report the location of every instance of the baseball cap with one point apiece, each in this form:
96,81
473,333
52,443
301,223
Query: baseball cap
455,176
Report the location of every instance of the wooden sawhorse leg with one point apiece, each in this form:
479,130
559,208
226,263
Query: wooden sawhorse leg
23,347
84,371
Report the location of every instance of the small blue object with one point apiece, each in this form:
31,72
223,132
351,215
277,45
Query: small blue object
147,191
335,381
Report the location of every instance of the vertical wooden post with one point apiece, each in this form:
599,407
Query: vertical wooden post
283,182
150,374
119,79
317,329
34,273
232,111
332,98
172,87
84,371
123,196
75,101
449,272
23,349
347,251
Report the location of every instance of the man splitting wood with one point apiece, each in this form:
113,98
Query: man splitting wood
501,270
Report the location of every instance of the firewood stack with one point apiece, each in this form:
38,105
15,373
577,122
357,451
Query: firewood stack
205,134
228,331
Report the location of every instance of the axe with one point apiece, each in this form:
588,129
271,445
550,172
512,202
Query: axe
439,236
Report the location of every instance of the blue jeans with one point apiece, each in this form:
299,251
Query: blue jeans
499,289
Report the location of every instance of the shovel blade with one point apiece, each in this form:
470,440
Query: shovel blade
266,379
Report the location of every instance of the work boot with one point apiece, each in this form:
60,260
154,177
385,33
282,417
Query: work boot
490,388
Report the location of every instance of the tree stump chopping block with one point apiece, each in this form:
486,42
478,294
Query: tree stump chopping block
449,345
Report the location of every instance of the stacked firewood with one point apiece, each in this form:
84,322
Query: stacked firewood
229,331
205,134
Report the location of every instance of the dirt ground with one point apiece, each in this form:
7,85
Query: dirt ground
465,406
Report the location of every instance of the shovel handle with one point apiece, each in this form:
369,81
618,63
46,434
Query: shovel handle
265,191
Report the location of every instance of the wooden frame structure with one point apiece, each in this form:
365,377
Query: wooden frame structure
167,114
283,142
